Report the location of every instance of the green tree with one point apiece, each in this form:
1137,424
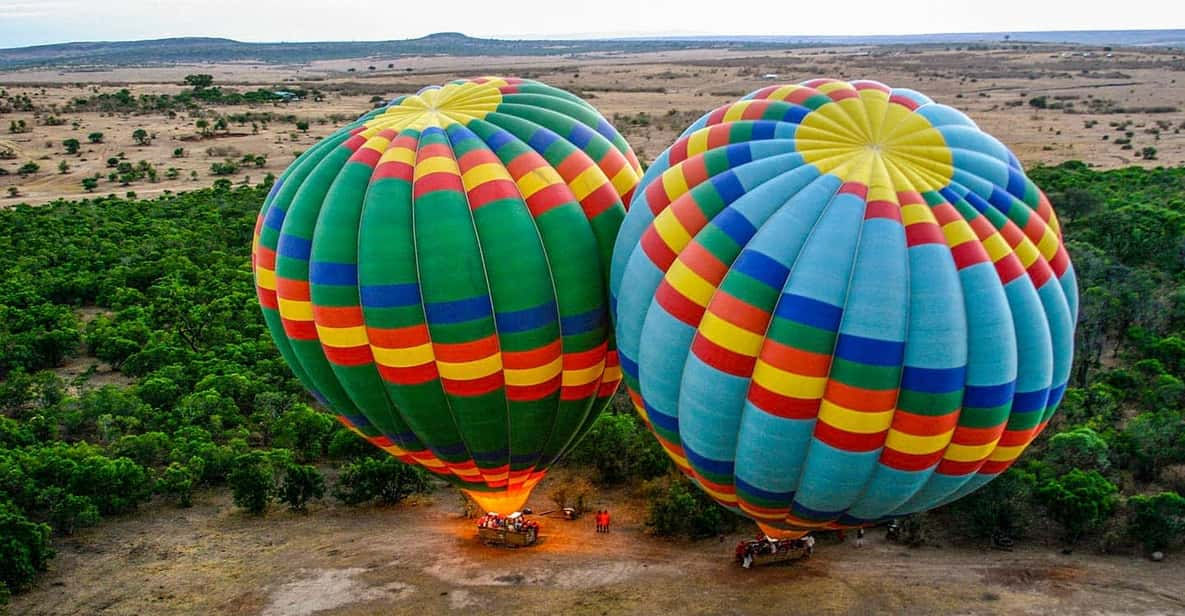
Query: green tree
1079,448
63,167
674,507
1078,501
386,479
251,482
304,431
24,549
302,126
90,184
72,145
178,482
1075,203
28,168
1157,521
620,447
199,81
302,483
203,126
141,137
95,137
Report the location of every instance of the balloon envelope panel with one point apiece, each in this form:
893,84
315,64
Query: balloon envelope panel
435,273
841,302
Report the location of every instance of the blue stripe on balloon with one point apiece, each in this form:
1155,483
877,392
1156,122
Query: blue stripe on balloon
542,139
292,247
933,380
735,225
809,311
716,467
606,129
870,351
1055,395
761,268
443,451
1002,200
498,139
499,455
390,295
988,396
764,129
583,322
728,186
795,114
516,321
458,311
1016,183
1030,401
580,135
745,487
661,420
738,154
628,365
325,272
274,219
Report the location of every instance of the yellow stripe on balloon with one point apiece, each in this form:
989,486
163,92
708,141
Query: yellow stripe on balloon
729,336
376,143
525,377
698,142
1005,454
470,370
295,310
437,164
265,278
969,453
483,173
406,357
342,337
668,227
957,232
690,284
674,183
1048,244
736,111
625,180
537,179
723,497
612,373
589,180
859,422
916,213
1027,252
996,247
583,376
398,155
915,444
788,383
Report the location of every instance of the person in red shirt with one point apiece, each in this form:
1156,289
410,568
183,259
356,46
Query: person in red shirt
605,524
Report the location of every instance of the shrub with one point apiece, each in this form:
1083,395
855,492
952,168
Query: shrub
1078,501
620,447
675,507
302,483
178,481
1158,521
1004,506
24,549
572,491
384,479
251,482
304,431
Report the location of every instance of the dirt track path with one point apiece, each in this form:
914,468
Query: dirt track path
422,559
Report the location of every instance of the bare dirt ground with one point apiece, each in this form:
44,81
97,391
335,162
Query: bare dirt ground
423,558
1104,98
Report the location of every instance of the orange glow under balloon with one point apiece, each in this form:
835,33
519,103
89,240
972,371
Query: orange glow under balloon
500,502
779,533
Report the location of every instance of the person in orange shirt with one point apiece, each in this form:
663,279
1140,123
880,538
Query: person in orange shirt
605,523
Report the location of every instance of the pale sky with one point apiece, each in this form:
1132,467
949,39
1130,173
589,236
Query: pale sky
34,22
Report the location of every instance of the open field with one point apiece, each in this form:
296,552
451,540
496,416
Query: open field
422,558
1102,107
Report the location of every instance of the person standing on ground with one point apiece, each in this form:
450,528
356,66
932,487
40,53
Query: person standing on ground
860,537
600,520
606,522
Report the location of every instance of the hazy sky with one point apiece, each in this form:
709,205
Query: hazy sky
32,22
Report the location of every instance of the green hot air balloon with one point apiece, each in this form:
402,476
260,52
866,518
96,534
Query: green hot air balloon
436,274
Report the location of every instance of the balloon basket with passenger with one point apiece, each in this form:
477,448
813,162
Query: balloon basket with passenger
766,550
514,530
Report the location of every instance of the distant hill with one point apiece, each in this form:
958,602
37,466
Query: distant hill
190,50
197,49
1157,38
